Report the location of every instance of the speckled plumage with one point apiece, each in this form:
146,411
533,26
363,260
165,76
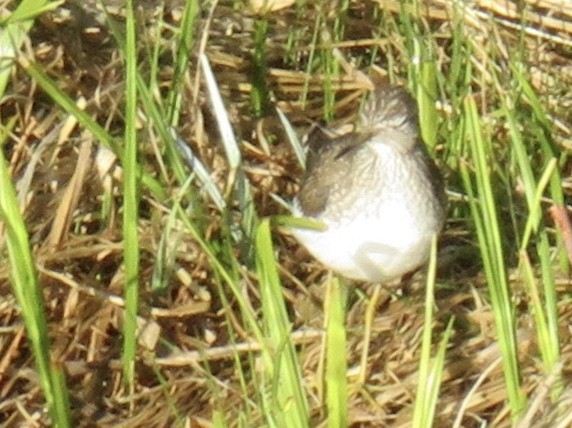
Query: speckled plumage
377,191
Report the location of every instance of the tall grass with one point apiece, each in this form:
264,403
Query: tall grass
484,213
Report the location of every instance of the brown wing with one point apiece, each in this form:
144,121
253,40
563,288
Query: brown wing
328,161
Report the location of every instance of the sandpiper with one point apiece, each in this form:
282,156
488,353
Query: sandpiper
376,190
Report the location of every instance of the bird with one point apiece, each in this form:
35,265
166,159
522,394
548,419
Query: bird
375,191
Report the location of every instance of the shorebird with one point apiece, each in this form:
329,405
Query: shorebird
376,190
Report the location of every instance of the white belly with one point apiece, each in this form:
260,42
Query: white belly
376,248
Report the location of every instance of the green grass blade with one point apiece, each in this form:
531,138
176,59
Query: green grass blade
426,97
290,406
186,40
430,374
259,95
24,282
130,205
540,320
331,68
292,138
336,353
311,59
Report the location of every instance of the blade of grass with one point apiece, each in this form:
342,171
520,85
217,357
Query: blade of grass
430,374
311,60
331,70
369,317
259,96
336,353
24,282
292,138
540,320
225,128
186,40
130,205
290,407
426,97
